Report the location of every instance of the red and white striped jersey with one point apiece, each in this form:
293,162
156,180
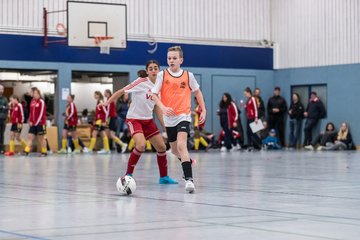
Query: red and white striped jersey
142,105
111,108
101,113
37,112
17,114
71,114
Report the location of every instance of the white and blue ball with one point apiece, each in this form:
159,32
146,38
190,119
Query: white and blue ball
126,185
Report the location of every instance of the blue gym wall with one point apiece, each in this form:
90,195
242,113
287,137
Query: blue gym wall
343,88
217,68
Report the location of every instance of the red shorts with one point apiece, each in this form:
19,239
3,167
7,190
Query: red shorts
147,127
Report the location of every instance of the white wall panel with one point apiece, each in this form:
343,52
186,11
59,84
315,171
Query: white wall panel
227,21
316,33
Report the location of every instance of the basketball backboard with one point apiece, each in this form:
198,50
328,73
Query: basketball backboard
89,20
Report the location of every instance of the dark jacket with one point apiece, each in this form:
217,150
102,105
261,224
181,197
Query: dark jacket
348,142
276,102
261,107
297,110
315,109
228,114
4,108
122,108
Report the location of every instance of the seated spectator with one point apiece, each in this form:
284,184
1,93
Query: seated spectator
221,137
272,142
343,141
329,135
84,116
199,128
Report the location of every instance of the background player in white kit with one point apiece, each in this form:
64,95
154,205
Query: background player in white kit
140,120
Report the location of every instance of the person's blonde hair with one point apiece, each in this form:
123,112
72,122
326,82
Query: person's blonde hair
342,135
176,49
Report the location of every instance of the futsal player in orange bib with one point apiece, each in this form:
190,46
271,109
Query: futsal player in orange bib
175,86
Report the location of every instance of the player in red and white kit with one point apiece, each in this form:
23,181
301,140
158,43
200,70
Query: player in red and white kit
71,119
251,108
37,123
140,120
101,115
111,122
17,120
198,127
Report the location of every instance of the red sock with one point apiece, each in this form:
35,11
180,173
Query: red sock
162,163
134,158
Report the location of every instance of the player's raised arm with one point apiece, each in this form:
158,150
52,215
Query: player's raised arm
115,96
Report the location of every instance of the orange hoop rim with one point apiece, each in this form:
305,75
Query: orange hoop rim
99,39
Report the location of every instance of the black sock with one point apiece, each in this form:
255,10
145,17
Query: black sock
191,161
187,170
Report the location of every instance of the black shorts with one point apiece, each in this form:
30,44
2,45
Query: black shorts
172,132
112,124
15,128
99,127
38,130
70,128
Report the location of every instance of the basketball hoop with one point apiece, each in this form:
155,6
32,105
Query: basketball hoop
61,29
104,44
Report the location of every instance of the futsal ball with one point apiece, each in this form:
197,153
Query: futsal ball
126,185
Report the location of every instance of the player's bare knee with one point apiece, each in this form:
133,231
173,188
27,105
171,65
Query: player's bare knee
140,146
161,148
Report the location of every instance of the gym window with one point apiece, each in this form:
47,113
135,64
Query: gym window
305,90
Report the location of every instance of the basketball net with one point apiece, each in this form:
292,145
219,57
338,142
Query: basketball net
104,44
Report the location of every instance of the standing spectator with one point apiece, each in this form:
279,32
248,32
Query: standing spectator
343,141
251,115
315,110
228,120
4,108
122,107
296,114
260,136
277,108
260,104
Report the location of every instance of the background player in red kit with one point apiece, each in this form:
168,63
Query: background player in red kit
100,124
71,119
17,120
111,122
37,123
